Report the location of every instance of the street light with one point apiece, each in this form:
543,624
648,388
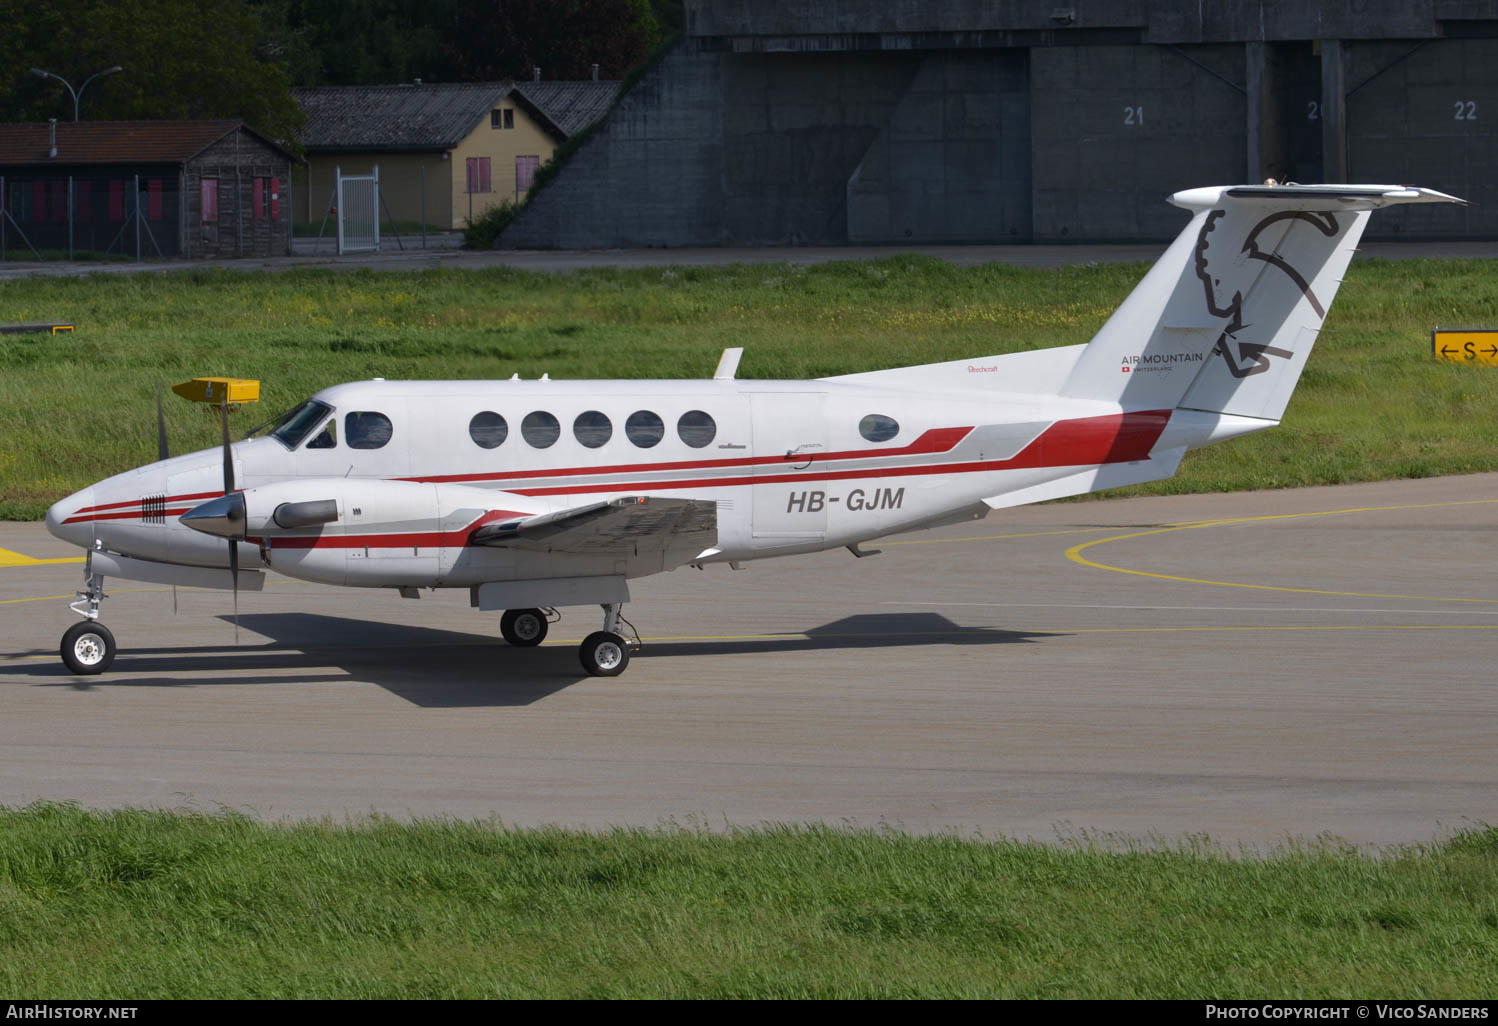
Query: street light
39,73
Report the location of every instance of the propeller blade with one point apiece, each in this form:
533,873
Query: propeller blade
234,575
161,449
229,491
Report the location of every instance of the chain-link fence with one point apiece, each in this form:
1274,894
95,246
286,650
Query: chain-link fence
91,217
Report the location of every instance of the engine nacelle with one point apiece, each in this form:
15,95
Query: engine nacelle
360,532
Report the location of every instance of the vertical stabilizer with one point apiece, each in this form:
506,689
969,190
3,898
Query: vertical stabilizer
1225,319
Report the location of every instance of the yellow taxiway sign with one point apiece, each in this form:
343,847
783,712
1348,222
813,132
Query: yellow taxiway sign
1475,345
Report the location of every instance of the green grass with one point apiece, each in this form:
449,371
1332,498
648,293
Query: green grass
139,904
1372,404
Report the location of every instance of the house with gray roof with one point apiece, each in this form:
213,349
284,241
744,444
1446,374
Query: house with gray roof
446,152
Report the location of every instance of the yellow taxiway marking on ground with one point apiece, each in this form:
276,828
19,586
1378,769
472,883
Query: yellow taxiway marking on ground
988,537
9,558
1075,552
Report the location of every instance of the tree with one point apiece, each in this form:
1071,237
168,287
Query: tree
182,59
498,39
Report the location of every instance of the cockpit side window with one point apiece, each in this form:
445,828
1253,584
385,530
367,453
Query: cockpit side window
299,422
327,438
367,430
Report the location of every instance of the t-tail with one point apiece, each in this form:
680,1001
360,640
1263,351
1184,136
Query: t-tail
1225,320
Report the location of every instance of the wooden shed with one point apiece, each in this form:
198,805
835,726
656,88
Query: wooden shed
193,189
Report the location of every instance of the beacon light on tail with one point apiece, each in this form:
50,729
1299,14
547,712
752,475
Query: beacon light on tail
535,495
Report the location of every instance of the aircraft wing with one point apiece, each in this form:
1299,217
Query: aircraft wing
635,522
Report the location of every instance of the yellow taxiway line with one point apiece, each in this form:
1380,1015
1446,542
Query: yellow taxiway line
1075,552
9,558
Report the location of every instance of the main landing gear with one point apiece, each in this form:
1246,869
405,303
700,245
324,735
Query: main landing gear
523,628
88,647
603,653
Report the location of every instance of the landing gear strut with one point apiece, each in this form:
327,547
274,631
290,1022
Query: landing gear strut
88,647
604,653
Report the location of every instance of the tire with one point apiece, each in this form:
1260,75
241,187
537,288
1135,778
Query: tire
523,628
604,654
88,648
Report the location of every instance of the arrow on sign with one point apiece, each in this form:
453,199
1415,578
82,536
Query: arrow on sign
1446,350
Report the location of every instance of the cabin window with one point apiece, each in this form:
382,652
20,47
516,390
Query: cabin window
644,429
697,428
367,430
327,438
299,422
540,429
592,429
876,427
488,430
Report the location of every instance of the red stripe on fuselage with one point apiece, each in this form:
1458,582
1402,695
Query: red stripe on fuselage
132,502
1088,441
932,441
1085,441
126,515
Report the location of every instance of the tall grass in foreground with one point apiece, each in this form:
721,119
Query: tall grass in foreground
72,409
154,904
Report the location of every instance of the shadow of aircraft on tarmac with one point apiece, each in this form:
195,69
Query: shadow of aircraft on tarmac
436,668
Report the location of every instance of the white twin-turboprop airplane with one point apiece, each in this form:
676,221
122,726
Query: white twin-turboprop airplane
538,494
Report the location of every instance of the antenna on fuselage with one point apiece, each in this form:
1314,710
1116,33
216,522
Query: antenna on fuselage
728,364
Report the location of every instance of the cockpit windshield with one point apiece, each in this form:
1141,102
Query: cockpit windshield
298,424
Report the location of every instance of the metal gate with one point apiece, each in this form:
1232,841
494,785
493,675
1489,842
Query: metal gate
357,198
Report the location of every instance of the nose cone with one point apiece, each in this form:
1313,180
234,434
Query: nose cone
81,530
223,516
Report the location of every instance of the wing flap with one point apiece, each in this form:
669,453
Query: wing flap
633,522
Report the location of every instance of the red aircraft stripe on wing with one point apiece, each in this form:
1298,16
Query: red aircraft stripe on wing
932,441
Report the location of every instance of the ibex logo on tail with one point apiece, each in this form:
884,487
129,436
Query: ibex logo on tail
1253,357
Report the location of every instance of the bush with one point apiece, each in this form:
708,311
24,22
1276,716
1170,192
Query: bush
480,232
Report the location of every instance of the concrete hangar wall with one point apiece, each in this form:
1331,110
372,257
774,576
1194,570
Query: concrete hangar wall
886,121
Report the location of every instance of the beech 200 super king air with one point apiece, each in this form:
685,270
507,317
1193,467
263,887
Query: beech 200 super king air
538,494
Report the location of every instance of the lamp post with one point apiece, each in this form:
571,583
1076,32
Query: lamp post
77,94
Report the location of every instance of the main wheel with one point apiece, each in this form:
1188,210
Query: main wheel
523,627
604,654
88,647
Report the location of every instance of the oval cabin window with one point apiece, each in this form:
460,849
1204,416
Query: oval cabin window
697,428
488,430
540,429
644,429
876,427
367,430
592,429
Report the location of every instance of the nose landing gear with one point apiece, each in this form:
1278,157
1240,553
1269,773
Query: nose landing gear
88,647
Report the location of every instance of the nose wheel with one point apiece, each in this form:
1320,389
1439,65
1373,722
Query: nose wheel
88,648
